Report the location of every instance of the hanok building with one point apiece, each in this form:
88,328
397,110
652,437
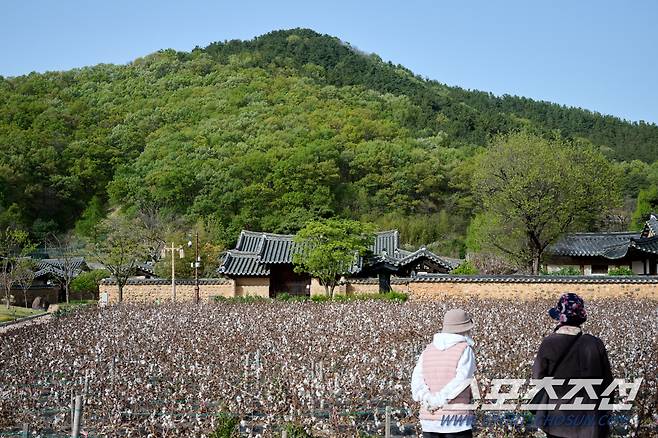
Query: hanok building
598,253
262,262
47,280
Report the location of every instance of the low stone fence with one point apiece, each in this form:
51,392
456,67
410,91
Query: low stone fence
434,287
159,289
525,287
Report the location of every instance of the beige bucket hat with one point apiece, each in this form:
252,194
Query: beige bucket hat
457,321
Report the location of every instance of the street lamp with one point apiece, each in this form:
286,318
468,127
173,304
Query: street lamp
181,254
196,264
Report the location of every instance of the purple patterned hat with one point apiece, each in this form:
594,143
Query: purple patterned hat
570,309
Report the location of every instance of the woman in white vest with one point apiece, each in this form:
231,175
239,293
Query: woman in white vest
438,380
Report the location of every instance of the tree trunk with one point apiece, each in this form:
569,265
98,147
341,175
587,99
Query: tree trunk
120,291
536,257
327,292
25,298
66,289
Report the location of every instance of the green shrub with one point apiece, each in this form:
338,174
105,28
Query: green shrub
387,296
285,296
74,306
320,298
341,298
296,431
226,426
620,271
396,296
465,268
238,300
87,282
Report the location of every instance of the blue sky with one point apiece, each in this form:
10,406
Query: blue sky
600,55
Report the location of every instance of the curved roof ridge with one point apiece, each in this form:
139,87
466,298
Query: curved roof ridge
603,233
264,234
238,252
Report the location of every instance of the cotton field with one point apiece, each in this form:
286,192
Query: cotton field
168,370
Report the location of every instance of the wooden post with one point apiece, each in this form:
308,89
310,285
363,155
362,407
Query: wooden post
197,262
86,387
72,408
387,424
112,371
173,273
384,282
75,432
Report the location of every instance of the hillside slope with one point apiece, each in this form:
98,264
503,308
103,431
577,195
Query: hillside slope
264,134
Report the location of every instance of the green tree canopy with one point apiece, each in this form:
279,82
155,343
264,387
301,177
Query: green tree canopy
328,249
118,245
647,203
14,245
532,190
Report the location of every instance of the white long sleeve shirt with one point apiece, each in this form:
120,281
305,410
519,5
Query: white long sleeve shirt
465,372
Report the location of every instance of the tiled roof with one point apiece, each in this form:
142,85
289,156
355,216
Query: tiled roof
57,267
608,245
438,278
388,241
401,259
164,281
147,267
243,263
254,251
649,244
276,249
447,278
651,226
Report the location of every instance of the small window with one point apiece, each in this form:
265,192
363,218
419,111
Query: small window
599,269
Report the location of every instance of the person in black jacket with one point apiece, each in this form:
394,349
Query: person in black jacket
567,353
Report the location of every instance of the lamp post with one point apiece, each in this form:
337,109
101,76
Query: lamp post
181,254
196,265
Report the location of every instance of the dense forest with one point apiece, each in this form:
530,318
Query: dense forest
269,133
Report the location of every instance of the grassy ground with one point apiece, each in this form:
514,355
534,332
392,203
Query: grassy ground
64,308
16,312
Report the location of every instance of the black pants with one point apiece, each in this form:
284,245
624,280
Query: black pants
465,434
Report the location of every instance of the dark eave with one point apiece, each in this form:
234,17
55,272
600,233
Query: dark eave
242,263
607,245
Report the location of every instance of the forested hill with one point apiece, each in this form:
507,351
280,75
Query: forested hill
266,134
464,114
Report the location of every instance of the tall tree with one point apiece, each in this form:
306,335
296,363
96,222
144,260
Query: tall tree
328,249
119,247
532,190
68,262
647,203
24,275
14,244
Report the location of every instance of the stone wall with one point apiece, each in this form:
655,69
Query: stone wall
154,290
424,287
517,287
368,287
529,291
318,289
50,294
252,287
